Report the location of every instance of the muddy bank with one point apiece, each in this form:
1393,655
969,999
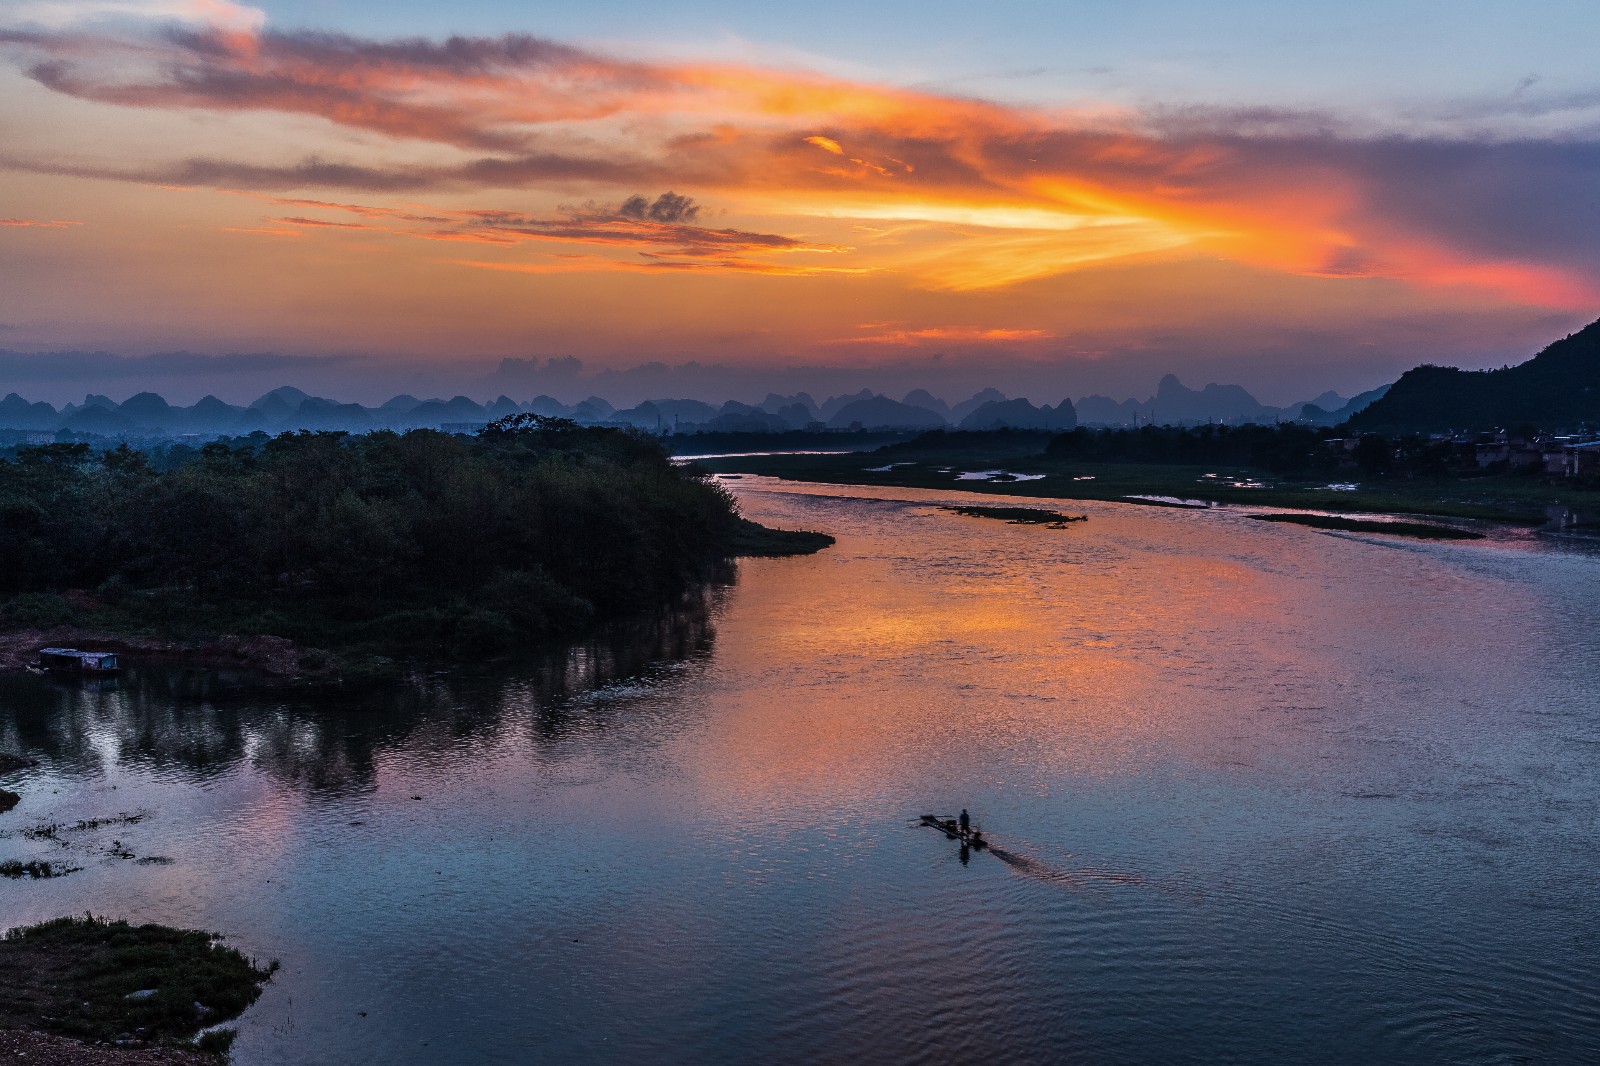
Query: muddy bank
42,1049
1421,530
754,540
1020,516
269,662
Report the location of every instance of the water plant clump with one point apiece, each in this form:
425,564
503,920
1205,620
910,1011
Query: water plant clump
37,869
1032,516
98,980
55,830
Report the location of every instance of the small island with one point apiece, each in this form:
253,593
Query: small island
322,558
82,990
1420,530
1028,516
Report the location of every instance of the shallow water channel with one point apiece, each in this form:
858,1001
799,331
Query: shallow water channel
1260,793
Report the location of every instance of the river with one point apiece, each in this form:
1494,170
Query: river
1259,793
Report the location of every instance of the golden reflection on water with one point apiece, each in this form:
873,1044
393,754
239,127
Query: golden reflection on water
1138,637
1275,787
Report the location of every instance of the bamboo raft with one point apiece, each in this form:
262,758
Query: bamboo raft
972,838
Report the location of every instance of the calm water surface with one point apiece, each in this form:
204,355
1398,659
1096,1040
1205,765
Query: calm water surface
1262,795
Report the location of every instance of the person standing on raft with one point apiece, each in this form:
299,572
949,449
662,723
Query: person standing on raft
966,823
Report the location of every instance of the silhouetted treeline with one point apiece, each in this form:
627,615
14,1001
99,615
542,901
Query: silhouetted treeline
792,440
1285,449
1292,451
419,540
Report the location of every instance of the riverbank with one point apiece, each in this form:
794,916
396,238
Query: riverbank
41,1049
1420,530
274,660
349,648
752,540
322,560
1017,467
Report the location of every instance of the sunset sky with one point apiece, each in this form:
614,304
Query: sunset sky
1055,198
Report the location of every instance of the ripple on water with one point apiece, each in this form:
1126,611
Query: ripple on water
1254,798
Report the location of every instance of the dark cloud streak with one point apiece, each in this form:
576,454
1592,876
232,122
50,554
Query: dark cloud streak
668,207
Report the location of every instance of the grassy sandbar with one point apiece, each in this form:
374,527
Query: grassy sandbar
104,981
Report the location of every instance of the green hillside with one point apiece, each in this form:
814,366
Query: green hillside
1558,389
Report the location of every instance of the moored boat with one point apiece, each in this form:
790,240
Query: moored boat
73,661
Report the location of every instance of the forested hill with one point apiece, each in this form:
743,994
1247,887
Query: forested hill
416,542
1558,389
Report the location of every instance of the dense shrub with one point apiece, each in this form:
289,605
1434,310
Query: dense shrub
535,527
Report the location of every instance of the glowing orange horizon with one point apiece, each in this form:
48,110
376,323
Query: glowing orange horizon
412,144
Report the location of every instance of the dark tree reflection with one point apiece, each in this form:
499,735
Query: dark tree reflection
198,724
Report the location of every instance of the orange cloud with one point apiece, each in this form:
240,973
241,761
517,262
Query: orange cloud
357,209
659,231
29,223
263,230
569,264
886,335
293,221
1022,193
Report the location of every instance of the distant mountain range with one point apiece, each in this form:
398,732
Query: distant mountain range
1558,389
148,414
1176,404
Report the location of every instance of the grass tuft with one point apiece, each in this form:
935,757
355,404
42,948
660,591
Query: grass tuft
753,539
98,980
36,869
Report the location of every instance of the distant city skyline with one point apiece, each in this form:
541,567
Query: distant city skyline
1053,200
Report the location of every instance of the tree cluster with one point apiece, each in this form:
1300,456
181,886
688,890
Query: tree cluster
1285,449
420,540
